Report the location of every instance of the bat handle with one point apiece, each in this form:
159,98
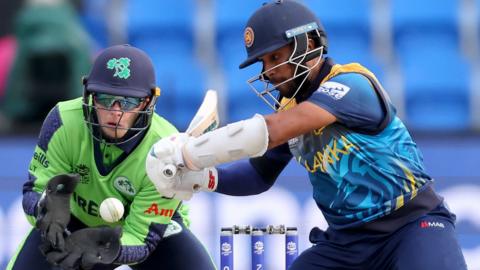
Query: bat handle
169,171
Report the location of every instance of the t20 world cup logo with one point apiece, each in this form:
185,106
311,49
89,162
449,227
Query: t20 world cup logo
226,249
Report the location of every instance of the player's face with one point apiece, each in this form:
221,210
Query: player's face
277,73
117,114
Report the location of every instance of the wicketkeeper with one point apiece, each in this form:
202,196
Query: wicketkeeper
93,148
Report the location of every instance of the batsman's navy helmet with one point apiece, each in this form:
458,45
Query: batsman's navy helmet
122,70
273,26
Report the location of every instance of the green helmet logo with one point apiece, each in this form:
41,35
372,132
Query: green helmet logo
121,67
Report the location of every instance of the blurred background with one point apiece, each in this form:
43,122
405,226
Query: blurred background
426,53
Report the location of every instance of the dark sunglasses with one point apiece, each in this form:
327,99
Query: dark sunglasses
126,103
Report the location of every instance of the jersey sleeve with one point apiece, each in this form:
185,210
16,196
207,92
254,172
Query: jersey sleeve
144,226
49,159
255,175
351,98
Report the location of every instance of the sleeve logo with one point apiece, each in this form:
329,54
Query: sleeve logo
334,90
172,228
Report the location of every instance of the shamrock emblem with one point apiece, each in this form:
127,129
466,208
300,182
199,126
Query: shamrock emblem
121,67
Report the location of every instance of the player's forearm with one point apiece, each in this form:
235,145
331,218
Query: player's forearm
298,120
29,203
133,253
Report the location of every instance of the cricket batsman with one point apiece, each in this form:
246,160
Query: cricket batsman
337,121
93,148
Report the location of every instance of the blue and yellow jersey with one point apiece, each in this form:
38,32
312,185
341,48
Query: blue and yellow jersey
365,165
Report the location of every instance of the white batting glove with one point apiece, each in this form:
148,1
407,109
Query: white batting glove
186,182
189,182
194,181
164,154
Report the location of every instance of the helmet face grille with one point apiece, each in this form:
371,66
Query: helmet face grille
142,122
123,71
268,92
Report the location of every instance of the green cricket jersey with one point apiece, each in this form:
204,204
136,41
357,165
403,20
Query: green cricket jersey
65,145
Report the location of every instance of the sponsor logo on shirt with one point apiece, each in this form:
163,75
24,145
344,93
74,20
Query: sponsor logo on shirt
123,185
334,90
41,158
431,224
153,210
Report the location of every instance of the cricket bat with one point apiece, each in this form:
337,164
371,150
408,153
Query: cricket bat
204,120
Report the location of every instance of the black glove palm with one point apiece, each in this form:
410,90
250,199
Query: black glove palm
53,212
87,247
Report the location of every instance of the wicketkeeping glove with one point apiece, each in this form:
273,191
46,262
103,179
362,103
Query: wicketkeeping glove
86,247
53,210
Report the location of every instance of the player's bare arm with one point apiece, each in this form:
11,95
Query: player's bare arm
243,139
299,120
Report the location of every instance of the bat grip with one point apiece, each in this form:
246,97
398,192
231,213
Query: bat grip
169,171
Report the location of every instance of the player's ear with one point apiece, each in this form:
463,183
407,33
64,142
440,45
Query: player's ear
145,103
311,44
